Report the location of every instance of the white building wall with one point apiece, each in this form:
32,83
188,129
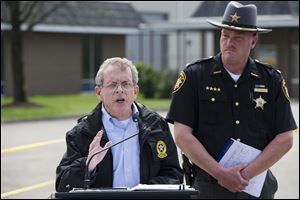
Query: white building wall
209,35
193,47
174,9
188,42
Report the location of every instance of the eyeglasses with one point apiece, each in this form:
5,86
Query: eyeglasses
113,86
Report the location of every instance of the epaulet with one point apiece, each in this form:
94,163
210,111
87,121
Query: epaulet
198,61
283,83
268,65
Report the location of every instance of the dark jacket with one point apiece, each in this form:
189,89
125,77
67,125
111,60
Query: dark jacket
154,169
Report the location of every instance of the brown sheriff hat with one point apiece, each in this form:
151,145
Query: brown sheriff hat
240,17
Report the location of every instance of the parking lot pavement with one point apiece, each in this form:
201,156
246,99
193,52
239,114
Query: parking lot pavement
26,168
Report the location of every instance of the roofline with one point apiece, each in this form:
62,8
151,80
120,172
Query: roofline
200,23
76,29
191,24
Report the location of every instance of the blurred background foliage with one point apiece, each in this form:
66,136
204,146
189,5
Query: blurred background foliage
155,84
155,93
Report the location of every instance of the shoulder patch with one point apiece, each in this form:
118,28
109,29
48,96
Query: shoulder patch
285,90
180,81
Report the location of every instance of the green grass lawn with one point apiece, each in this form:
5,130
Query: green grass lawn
63,106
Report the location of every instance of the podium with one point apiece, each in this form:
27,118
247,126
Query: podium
125,194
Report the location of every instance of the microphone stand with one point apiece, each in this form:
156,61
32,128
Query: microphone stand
87,173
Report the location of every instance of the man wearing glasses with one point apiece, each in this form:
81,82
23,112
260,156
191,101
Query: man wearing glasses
149,156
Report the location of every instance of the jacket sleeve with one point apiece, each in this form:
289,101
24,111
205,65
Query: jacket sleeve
169,171
70,171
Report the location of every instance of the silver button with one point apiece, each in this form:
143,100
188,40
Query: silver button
235,85
237,122
237,103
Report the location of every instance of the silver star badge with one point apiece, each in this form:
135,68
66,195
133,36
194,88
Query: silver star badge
259,102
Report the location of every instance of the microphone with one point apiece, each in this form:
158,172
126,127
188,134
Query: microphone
136,118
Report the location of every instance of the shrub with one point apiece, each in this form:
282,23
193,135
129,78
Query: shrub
147,80
166,83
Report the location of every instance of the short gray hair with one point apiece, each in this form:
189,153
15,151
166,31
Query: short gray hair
122,63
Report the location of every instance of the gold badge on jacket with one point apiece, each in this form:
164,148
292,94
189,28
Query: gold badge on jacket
161,149
180,81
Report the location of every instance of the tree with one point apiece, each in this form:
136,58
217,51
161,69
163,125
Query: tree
23,14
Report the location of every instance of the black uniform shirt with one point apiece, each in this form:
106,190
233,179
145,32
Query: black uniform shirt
254,109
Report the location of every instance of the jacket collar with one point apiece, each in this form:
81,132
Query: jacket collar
94,119
93,122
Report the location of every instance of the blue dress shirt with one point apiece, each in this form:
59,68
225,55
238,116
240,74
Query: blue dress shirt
126,155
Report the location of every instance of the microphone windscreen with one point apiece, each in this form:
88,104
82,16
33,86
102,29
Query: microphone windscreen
136,117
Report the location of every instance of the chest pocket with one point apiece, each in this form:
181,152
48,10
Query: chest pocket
159,144
214,108
259,112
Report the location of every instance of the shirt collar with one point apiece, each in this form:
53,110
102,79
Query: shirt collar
250,70
253,69
107,118
217,65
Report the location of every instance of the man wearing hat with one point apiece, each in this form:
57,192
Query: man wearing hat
228,96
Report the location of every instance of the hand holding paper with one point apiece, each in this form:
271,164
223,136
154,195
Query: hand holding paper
232,180
235,153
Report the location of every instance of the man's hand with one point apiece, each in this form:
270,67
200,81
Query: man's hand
232,179
95,147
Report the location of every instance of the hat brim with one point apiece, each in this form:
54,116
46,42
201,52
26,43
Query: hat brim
226,26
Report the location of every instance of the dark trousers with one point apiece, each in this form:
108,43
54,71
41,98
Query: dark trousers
209,188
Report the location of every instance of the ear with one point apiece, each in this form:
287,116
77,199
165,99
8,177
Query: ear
253,45
98,92
254,41
136,91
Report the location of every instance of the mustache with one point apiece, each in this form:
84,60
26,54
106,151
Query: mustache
230,49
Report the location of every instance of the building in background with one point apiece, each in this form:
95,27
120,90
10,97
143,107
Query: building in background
63,54
165,49
189,37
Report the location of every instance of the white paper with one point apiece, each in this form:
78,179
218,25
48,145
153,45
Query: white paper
161,187
239,153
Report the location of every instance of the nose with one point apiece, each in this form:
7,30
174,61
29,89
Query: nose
119,90
229,41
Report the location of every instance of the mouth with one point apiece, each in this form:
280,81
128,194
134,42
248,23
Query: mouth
120,100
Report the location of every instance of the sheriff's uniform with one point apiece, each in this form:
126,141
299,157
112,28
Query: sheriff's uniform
254,109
